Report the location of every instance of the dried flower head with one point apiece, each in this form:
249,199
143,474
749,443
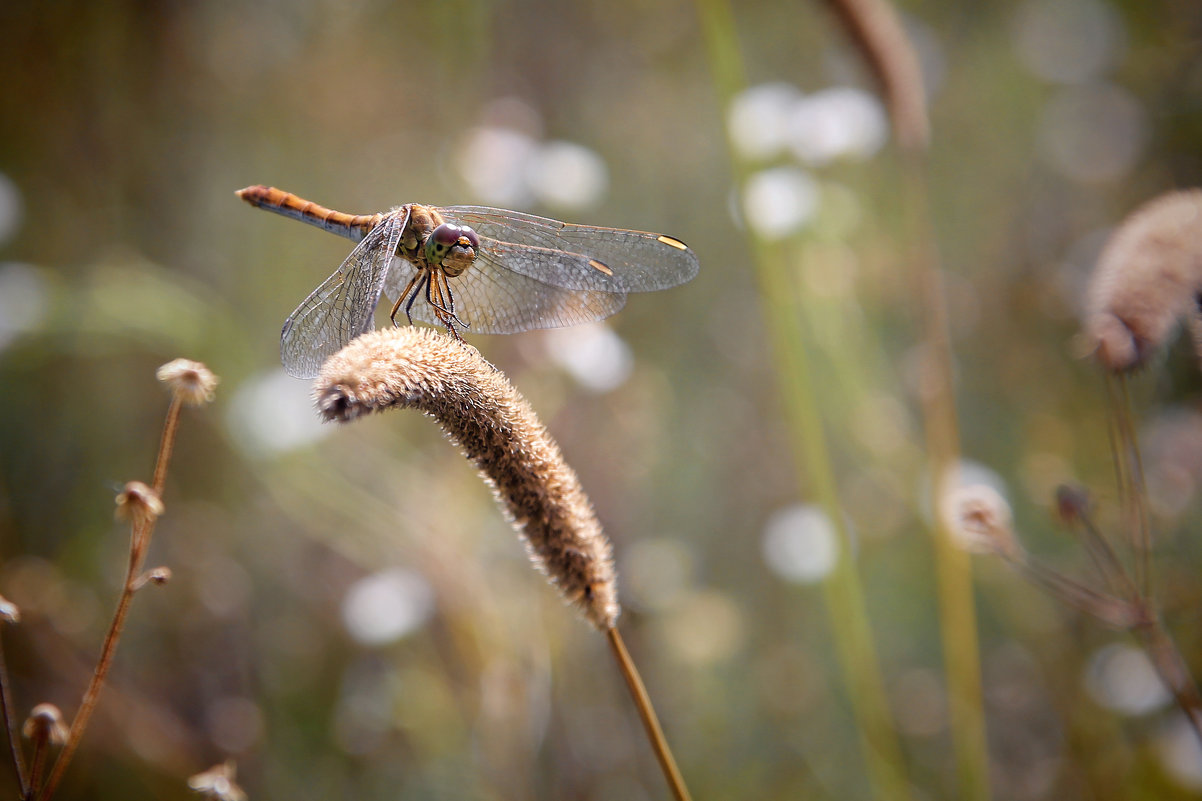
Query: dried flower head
877,32
138,504
1148,276
9,612
1072,503
45,724
411,367
192,382
156,575
980,521
218,783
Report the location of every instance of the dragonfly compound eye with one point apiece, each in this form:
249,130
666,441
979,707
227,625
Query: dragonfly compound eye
470,235
452,247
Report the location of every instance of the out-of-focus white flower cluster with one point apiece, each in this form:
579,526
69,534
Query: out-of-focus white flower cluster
1091,130
505,162
777,124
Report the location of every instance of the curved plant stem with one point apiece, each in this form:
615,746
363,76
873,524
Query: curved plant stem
1129,474
10,722
1169,663
647,712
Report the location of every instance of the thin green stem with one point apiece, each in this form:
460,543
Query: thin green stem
957,608
843,593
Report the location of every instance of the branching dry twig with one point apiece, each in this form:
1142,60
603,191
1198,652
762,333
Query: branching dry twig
191,384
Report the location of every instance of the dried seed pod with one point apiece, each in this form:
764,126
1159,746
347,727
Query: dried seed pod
477,407
138,504
980,521
45,724
194,383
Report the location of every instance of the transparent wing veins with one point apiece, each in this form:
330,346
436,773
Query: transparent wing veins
343,306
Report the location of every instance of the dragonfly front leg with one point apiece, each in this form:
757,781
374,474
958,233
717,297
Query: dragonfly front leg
410,293
423,283
444,310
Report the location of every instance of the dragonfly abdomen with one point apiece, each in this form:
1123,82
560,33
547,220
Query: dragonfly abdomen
351,226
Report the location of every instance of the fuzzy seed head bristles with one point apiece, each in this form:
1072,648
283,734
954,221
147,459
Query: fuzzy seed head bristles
138,504
1149,275
477,407
191,381
45,724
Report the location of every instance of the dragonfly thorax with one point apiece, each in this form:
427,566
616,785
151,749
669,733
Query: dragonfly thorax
431,243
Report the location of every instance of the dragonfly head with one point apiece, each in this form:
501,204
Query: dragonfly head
452,248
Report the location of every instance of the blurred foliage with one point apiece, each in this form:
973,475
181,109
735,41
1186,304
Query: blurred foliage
129,126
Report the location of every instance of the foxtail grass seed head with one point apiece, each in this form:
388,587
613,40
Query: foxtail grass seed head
481,412
1149,275
9,612
980,521
192,382
217,783
45,724
138,504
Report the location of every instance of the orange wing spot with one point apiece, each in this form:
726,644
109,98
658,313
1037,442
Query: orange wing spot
600,266
676,243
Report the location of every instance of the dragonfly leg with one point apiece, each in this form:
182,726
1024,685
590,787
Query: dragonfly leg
417,290
400,298
443,310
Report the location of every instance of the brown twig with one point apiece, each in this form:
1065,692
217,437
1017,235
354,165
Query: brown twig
92,695
10,722
1170,665
642,703
191,383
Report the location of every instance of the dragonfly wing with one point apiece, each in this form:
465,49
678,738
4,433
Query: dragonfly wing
493,300
580,257
343,307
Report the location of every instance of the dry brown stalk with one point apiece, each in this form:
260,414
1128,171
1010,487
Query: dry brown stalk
877,32
496,429
191,384
484,415
9,613
1149,276
981,521
45,728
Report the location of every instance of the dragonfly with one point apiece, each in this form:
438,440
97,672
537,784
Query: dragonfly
474,268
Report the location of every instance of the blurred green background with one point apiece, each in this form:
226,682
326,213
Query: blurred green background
350,617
